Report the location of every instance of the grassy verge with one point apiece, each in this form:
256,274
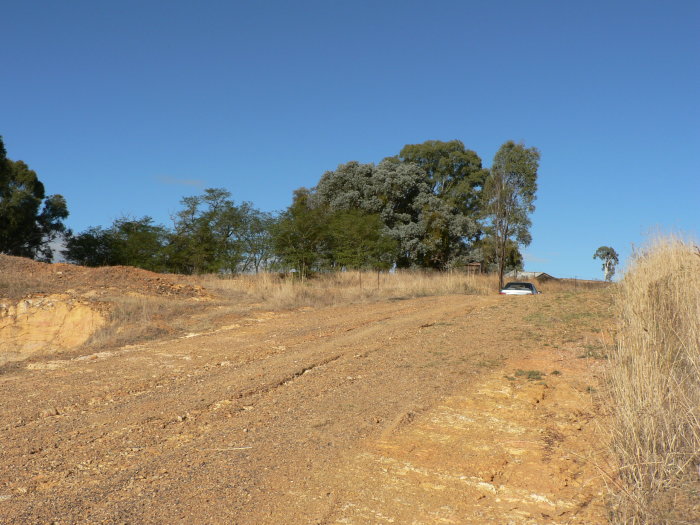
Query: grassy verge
655,387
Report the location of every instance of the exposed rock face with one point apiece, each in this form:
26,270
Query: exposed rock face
45,324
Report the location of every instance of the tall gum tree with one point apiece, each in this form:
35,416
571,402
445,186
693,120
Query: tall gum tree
300,236
509,195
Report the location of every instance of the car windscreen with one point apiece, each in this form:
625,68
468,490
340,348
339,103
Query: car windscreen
518,286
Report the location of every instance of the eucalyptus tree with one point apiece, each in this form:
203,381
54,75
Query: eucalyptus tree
430,231
453,172
92,247
359,241
610,259
255,237
138,242
128,242
300,235
206,236
29,219
508,199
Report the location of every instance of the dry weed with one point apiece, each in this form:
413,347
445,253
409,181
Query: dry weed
135,318
13,286
571,285
655,386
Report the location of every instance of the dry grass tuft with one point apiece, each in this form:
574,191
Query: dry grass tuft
571,285
655,386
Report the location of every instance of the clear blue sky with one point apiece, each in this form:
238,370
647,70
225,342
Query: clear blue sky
125,107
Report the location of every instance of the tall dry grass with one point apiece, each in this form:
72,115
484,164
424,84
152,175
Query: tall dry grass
280,291
655,386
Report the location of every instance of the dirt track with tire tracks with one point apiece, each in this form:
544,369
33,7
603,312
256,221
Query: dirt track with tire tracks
392,412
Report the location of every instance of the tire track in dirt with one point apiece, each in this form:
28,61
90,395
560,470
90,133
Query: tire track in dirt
510,451
249,351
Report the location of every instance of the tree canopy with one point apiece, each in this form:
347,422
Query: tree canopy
359,241
300,236
205,237
29,219
452,171
255,237
128,242
210,233
430,231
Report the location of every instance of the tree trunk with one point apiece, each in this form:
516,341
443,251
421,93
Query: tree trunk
501,263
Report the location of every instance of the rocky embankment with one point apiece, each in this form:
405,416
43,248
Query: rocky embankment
48,308
45,324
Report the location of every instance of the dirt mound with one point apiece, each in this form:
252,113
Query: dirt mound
21,277
49,308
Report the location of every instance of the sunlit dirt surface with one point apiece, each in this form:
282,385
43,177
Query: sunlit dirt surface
456,409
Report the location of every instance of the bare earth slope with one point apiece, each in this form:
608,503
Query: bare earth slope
427,410
51,308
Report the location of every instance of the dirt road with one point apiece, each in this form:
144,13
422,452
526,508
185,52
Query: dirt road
425,411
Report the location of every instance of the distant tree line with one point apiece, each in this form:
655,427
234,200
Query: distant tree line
432,206
210,234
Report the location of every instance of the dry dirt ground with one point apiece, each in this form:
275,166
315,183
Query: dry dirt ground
454,409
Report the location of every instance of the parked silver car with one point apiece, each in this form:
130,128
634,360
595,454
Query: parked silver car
519,289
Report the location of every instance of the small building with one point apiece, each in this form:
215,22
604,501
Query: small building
539,276
472,267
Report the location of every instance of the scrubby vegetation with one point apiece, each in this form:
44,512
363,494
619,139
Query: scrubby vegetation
283,291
